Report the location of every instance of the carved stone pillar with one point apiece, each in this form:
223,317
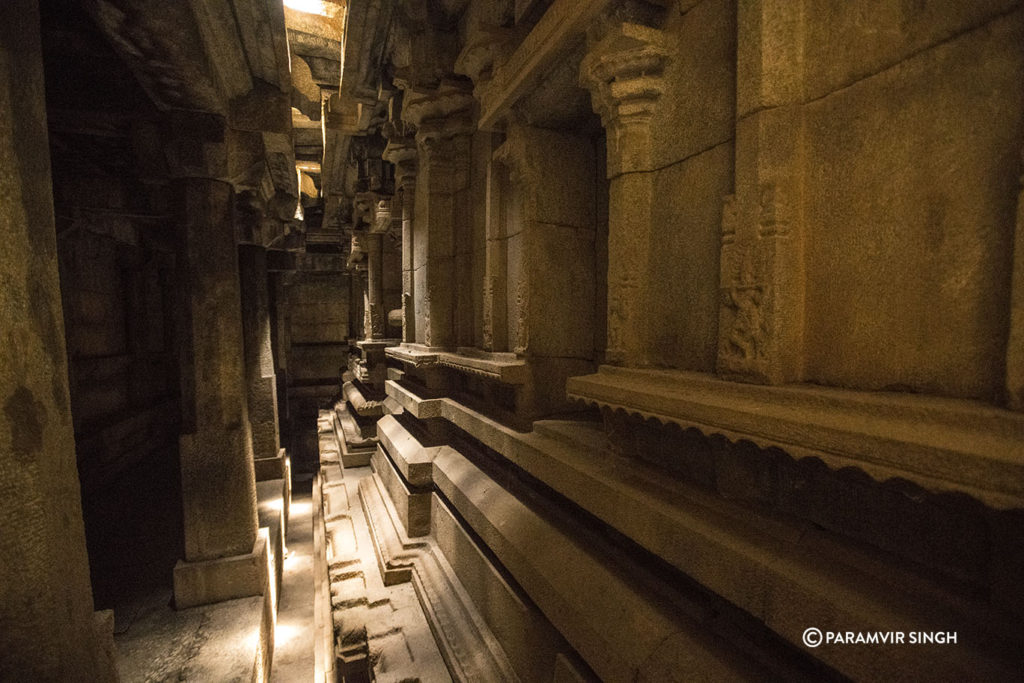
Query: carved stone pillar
47,628
495,299
374,287
401,151
224,557
623,72
259,361
549,258
443,121
762,280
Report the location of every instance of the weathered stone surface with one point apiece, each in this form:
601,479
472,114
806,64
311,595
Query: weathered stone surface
259,362
218,484
907,269
47,626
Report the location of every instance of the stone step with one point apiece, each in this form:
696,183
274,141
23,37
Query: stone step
768,567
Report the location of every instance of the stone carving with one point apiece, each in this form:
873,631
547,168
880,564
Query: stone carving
522,311
728,219
743,329
622,299
773,212
623,72
407,311
488,313
376,321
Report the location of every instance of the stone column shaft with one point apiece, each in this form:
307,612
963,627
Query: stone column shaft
408,287
259,361
218,483
495,303
374,286
551,180
444,124
224,557
762,280
444,166
1015,343
47,628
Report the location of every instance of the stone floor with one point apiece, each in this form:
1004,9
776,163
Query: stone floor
220,642
209,643
293,642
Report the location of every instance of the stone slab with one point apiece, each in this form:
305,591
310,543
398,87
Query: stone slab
412,506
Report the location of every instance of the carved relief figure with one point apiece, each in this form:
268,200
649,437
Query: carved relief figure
522,306
746,297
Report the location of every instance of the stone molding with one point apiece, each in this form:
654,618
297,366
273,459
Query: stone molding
938,444
769,568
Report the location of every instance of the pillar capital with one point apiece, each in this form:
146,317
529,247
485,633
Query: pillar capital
623,71
422,107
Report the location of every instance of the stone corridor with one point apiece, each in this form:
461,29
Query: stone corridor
511,340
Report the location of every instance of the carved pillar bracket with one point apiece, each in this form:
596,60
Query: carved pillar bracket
762,281
623,71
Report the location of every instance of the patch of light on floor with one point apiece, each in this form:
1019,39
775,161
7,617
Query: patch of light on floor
300,508
324,9
283,633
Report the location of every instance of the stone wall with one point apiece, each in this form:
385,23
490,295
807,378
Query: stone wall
692,164
318,309
913,139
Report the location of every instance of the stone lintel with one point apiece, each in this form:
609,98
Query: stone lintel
549,40
416,355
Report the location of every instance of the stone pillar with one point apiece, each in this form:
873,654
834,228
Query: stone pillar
623,72
443,126
401,151
374,286
282,343
261,380
47,628
224,557
1015,343
762,276
495,303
